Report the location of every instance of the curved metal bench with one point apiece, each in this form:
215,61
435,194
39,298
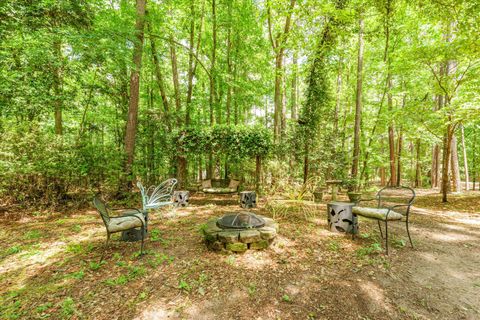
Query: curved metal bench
393,204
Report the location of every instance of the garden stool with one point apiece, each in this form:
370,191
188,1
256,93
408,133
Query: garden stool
180,198
248,199
341,218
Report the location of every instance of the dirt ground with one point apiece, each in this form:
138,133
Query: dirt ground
49,267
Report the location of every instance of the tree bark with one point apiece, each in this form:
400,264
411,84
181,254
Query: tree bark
132,118
160,81
258,173
447,142
176,83
399,159
418,168
57,86
192,63
278,45
293,92
358,102
229,63
456,183
465,159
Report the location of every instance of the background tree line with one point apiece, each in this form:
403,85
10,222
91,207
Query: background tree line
94,93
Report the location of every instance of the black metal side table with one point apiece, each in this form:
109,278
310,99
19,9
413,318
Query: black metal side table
341,218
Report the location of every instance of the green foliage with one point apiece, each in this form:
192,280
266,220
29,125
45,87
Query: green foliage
235,141
68,308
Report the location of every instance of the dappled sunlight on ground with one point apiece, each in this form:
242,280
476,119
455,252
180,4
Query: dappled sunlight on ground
308,272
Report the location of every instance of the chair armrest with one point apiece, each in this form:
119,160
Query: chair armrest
369,199
398,206
125,209
129,215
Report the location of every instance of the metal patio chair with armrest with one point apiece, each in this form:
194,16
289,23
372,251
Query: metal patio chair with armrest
131,219
393,204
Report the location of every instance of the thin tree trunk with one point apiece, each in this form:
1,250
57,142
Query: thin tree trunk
192,63
293,92
358,102
418,168
399,158
338,96
278,45
456,187
160,81
132,118
465,160
57,86
176,83
229,63
447,142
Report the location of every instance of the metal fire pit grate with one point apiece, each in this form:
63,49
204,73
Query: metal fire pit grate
240,220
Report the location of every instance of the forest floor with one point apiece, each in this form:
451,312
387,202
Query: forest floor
49,267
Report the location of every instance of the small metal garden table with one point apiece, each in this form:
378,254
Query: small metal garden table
341,218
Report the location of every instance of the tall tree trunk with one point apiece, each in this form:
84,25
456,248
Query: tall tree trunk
212,83
465,159
132,118
176,83
337,99
418,167
57,86
358,102
293,92
399,158
447,142
160,81
456,183
278,45
258,173
391,136
192,63
229,63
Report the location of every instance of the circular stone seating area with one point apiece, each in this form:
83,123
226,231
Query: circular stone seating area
235,240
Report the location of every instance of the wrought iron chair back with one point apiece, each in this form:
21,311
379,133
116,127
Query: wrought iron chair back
398,198
102,209
157,196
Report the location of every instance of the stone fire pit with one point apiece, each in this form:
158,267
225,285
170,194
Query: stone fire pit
239,231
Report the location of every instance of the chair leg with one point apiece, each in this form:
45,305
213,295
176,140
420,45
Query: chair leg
408,233
380,228
106,247
143,237
386,236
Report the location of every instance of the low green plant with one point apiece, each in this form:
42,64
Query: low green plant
251,289
371,249
13,250
286,298
77,228
77,275
44,307
96,265
33,235
68,308
333,246
75,248
183,285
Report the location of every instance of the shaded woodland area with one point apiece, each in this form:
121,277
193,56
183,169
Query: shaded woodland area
96,94
286,100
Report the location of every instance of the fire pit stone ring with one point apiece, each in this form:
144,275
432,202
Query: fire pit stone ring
239,231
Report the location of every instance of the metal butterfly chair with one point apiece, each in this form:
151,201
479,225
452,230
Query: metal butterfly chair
157,196
131,219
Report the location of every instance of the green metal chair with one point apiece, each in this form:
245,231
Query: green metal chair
131,218
393,204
